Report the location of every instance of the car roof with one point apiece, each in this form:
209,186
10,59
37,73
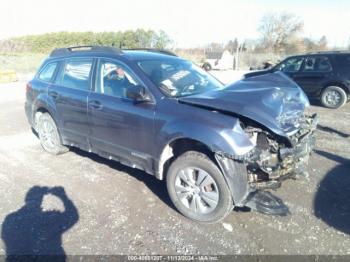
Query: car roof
139,55
346,52
333,53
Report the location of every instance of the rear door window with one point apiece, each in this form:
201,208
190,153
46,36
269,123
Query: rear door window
310,64
76,73
317,64
48,71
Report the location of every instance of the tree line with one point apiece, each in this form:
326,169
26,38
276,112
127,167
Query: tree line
45,43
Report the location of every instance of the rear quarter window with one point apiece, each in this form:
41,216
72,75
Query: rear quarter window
344,62
47,73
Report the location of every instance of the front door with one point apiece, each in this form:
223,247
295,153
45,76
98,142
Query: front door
291,67
120,128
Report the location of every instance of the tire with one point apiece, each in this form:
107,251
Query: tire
207,67
49,136
193,202
333,97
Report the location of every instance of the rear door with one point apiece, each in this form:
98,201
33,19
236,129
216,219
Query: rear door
313,74
40,85
69,95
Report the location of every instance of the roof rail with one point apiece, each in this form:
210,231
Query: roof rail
329,52
85,48
154,50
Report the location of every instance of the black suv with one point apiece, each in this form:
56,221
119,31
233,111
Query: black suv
324,75
217,146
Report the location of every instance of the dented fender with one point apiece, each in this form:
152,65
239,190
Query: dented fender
230,139
218,132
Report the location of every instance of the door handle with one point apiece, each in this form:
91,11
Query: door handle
53,94
94,104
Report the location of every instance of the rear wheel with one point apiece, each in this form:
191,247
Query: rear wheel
333,97
198,189
49,136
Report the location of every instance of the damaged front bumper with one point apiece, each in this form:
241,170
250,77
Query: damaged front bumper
267,166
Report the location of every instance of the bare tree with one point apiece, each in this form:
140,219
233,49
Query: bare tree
216,47
279,30
232,45
323,43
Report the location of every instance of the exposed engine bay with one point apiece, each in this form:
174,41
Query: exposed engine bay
275,158
272,160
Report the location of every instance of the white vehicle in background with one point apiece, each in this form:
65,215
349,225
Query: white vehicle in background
218,61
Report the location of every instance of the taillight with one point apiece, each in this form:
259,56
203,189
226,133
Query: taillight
28,87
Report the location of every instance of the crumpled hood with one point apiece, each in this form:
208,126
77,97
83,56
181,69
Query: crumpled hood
272,100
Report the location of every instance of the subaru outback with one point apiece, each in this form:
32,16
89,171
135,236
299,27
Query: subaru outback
218,147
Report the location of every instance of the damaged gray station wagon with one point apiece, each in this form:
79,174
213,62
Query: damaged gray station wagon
217,146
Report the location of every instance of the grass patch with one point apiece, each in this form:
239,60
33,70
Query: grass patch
21,63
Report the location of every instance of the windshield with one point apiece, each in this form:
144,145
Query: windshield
178,78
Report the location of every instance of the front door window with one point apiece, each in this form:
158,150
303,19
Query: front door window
114,79
291,65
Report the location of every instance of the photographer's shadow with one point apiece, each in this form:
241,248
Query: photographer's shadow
32,231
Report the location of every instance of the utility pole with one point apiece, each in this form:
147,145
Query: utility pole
238,50
237,57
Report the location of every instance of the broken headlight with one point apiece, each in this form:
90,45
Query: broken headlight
290,121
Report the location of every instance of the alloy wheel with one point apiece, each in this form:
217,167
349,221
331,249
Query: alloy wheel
332,98
48,135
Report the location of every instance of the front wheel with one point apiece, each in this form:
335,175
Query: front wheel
49,136
198,189
333,97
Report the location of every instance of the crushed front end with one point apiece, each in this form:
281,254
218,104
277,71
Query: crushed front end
276,158
273,139
273,159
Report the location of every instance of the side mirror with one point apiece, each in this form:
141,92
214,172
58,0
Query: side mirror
275,68
138,93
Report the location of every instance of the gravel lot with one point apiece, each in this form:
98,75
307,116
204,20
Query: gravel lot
125,211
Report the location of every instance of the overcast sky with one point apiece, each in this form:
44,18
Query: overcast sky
188,22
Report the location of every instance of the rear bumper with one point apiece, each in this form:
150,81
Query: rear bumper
29,113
